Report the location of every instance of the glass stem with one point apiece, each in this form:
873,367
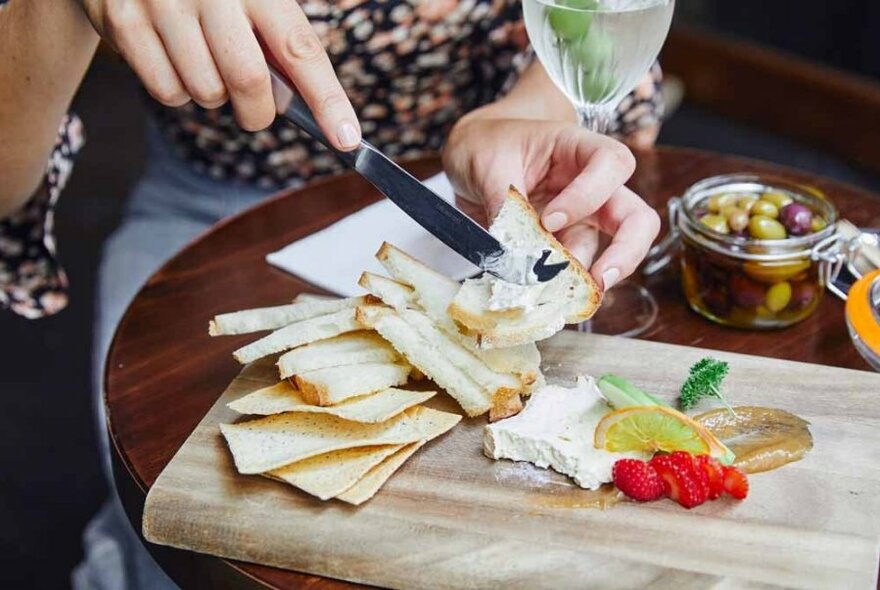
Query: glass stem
595,117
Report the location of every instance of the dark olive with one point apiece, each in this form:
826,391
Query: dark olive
797,219
802,294
745,292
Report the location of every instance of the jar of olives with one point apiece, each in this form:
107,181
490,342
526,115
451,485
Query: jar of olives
756,252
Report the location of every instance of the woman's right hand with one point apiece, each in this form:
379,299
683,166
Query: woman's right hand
208,51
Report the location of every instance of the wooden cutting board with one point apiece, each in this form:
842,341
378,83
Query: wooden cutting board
451,518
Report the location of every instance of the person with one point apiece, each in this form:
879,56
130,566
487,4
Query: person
412,77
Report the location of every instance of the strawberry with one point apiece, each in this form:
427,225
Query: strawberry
714,472
638,480
736,483
680,478
687,462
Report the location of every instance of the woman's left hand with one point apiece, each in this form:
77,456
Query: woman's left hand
574,178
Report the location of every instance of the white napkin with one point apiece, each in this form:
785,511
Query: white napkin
335,257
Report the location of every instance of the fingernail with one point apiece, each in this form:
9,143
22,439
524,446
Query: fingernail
348,135
609,278
555,221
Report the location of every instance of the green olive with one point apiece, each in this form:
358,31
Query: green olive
778,199
718,202
766,228
818,224
746,202
737,219
597,85
570,21
765,208
778,297
716,222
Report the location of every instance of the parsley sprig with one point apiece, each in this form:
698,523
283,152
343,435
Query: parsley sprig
704,381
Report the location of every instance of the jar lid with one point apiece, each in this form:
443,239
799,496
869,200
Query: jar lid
863,310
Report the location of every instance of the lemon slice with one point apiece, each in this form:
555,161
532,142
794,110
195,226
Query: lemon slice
656,429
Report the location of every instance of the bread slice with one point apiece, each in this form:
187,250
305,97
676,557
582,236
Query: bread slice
368,409
499,385
346,349
434,291
393,293
273,318
299,334
571,297
326,387
522,360
506,408
303,297
434,363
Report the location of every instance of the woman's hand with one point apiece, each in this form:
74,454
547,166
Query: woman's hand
574,178
208,51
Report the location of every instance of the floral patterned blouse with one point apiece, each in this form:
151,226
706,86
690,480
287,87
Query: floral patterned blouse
411,69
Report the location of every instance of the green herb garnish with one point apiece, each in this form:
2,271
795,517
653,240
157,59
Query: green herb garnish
704,381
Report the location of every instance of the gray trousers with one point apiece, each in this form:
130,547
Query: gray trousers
171,205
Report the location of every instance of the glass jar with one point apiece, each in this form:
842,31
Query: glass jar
740,281
863,317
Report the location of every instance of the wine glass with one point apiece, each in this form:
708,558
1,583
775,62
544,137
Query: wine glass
596,52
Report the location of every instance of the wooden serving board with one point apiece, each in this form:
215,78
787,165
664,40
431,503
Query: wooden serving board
451,518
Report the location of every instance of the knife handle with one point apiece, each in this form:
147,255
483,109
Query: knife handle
290,104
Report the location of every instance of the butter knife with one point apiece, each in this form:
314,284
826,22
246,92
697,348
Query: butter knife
444,221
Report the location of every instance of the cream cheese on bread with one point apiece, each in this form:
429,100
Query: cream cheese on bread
507,296
556,430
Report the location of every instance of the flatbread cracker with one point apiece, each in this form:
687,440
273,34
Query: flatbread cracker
367,487
330,474
268,443
369,409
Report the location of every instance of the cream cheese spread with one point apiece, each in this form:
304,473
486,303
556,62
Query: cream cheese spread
556,430
505,296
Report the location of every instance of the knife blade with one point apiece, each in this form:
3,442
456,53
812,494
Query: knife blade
427,208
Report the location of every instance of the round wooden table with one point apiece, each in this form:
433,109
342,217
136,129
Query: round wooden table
164,372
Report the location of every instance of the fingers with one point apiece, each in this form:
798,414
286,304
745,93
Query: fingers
134,37
182,36
582,241
634,226
608,165
240,62
288,35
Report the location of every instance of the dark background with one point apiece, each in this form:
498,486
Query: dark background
51,479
